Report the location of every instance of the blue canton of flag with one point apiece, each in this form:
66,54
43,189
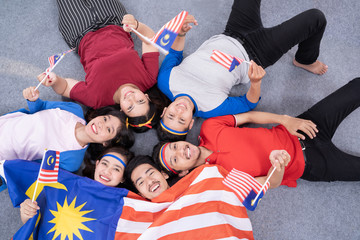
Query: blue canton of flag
234,64
226,60
166,36
50,158
245,187
166,39
49,167
53,60
249,202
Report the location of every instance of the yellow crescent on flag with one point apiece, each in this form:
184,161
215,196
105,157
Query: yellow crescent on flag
166,38
30,190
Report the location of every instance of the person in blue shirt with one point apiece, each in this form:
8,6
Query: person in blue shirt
199,85
59,126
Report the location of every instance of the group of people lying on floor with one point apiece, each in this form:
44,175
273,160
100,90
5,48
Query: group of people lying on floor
115,89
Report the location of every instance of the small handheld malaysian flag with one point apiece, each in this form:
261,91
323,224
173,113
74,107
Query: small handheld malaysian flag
53,61
226,60
49,168
246,188
165,37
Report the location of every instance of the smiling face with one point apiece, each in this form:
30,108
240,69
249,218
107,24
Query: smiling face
178,115
133,101
149,181
102,128
109,171
182,156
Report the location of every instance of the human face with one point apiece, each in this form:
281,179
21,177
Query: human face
149,181
182,156
178,115
102,128
133,101
109,171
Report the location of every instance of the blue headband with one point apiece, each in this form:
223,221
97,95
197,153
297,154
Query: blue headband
172,131
117,158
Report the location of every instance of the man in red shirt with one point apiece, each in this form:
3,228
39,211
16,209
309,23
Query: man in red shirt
313,158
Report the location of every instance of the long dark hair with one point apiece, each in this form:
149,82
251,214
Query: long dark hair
124,137
158,101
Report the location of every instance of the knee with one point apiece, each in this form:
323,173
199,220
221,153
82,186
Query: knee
355,81
318,15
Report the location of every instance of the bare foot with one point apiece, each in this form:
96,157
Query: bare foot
316,67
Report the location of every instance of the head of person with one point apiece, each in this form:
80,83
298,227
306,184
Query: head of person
144,122
146,177
141,113
176,120
110,166
107,126
177,158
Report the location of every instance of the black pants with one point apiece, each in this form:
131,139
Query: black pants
78,17
269,44
324,161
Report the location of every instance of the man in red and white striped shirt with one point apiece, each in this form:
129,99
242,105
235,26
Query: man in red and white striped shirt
200,204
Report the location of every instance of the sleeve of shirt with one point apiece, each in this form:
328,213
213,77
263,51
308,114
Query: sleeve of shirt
71,160
212,126
216,122
232,105
80,93
40,105
151,64
173,59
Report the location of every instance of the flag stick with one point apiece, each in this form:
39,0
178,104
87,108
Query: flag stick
47,74
146,39
262,188
42,162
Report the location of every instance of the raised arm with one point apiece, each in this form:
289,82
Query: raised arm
130,21
255,73
179,42
35,104
293,125
279,159
61,86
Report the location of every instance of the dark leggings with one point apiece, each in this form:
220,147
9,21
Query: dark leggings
324,161
78,17
269,44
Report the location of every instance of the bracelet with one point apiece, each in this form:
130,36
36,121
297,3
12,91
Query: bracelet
182,35
137,24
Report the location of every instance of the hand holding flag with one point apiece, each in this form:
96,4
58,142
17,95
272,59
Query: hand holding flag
30,94
53,61
166,36
246,188
28,209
